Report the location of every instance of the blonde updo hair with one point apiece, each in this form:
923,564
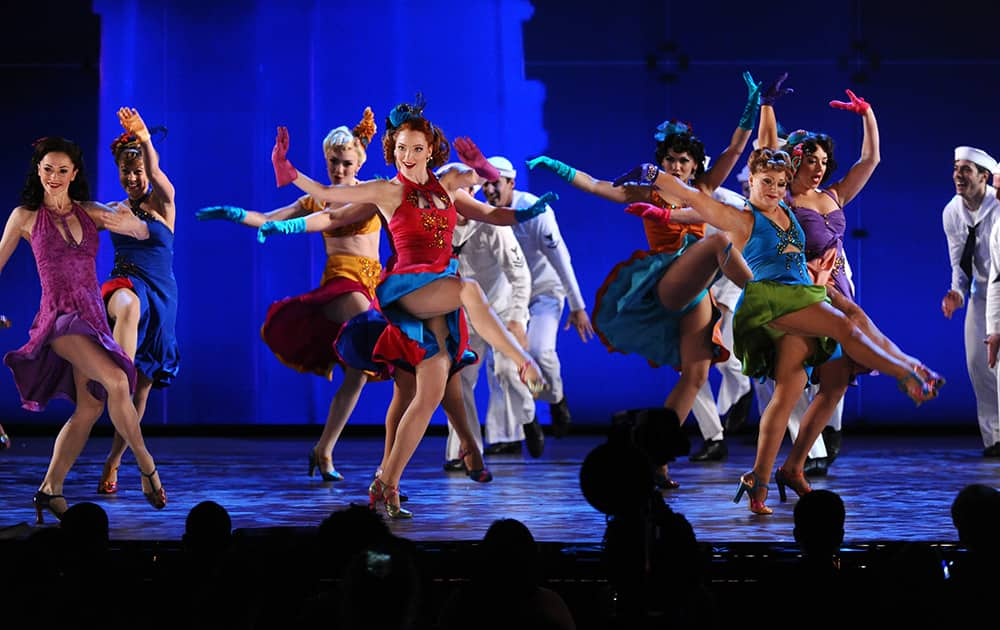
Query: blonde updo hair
358,138
770,160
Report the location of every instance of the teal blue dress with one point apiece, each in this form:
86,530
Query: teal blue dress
781,285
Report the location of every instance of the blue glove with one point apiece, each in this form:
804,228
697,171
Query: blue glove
229,213
561,169
536,208
291,226
753,102
642,175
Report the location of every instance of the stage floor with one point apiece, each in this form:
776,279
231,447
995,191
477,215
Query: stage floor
896,488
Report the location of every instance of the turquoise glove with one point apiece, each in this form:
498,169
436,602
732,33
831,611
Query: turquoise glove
229,213
291,226
536,208
753,102
561,169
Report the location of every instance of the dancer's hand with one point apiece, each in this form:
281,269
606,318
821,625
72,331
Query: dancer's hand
290,226
132,122
124,221
561,169
992,345
581,321
229,213
857,105
472,157
754,102
284,172
952,301
649,211
642,175
536,208
770,94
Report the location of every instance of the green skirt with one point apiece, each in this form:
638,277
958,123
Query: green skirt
763,302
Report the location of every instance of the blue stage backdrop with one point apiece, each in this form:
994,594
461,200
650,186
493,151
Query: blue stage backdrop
586,84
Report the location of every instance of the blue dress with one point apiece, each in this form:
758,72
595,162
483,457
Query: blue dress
147,268
781,285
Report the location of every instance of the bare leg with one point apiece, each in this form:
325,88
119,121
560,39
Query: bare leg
404,388
454,409
431,378
94,364
860,318
124,310
341,406
790,380
109,476
447,294
694,271
835,377
71,440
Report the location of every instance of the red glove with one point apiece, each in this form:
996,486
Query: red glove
471,156
284,172
857,105
649,211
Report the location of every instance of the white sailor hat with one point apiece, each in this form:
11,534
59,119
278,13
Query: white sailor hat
458,166
503,165
976,156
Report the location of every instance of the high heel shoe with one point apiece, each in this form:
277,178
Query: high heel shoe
107,485
756,492
535,385
157,497
44,501
379,492
915,388
663,481
479,475
795,481
319,462
402,497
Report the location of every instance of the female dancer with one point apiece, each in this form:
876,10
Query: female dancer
70,352
784,323
300,330
820,212
141,296
421,296
653,304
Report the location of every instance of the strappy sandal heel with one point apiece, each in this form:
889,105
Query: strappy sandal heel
107,485
157,497
318,462
43,502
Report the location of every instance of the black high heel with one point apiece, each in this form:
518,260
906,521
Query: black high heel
157,497
44,501
316,462
795,481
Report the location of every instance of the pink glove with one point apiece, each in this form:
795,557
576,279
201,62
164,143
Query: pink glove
857,105
649,211
284,172
471,156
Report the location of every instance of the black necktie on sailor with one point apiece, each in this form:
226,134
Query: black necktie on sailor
968,252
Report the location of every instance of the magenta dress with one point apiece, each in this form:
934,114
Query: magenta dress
70,305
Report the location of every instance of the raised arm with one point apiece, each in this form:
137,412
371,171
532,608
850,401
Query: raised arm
382,193
15,230
715,176
587,183
133,123
767,133
856,178
252,218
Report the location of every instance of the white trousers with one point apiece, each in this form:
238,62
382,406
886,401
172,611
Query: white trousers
733,385
983,377
545,312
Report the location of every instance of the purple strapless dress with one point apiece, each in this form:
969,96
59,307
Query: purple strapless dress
825,247
70,305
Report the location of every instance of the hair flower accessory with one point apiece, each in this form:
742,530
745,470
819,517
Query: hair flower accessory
669,128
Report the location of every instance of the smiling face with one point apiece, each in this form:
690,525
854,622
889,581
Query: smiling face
970,183
132,175
767,188
342,164
499,193
412,152
56,170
